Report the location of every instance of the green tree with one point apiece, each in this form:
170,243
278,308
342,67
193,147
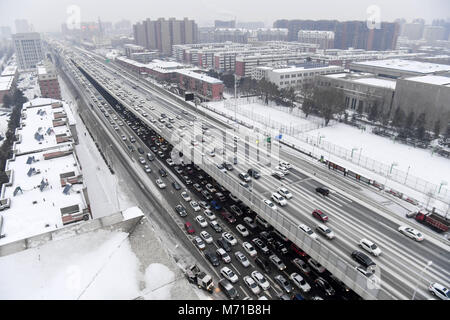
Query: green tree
329,102
7,101
409,120
420,126
308,105
374,112
437,128
399,117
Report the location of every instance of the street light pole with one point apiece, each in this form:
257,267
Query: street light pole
407,172
429,263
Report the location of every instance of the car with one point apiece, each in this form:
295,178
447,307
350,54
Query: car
325,286
267,237
223,255
323,191
260,280
228,216
300,282
282,170
284,192
263,264
206,195
161,154
236,210
262,222
250,223
222,168
204,205
278,174
254,173
199,243
362,259
277,198
160,184
234,198
242,259
244,176
147,168
130,147
369,274
270,204
324,230
318,214
260,244
316,265
209,214
176,185
124,137
216,226
201,221
210,188
438,290
163,172
229,274
140,150
195,206
285,164
370,247
280,247
228,166
189,228
228,289
197,187
242,230
285,284
181,210
307,230
223,244
228,237
186,196
206,237
411,233
252,285
277,262
248,247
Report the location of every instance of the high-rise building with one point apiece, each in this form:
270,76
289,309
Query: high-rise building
433,33
348,34
48,81
325,39
28,47
250,25
224,24
162,34
22,26
412,31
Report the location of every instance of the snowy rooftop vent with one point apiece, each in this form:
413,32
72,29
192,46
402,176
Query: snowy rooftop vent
44,183
30,160
67,189
31,172
18,188
49,130
38,136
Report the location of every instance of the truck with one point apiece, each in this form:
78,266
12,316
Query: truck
200,278
432,221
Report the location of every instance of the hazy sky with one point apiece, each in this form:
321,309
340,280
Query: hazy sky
47,15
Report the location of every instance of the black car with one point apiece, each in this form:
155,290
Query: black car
236,210
176,186
323,191
154,149
228,289
215,226
228,166
263,264
206,195
261,245
181,210
162,172
267,236
253,173
280,247
131,148
140,150
362,259
223,244
212,257
325,286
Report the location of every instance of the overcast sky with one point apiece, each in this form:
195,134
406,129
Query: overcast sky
47,15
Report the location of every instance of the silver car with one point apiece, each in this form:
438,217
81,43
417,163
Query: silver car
242,259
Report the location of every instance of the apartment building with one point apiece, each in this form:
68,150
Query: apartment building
325,39
48,81
28,48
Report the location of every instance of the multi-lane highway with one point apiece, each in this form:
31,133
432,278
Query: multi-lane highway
402,260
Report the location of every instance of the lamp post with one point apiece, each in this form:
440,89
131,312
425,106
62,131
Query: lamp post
429,263
407,172
360,151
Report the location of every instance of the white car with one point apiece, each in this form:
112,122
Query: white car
370,275
147,168
194,205
209,214
276,197
242,259
170,162
300,282
252,285
201,221
249,222
199,243
160,183
270,204
250,249
242,230
282,169
439,291
228,237
260,280
370,247
285,164
411,233
316,265
141,160
206,237
229,274
186,196
324,230
285,193
223,255
308,231
124,137
277,262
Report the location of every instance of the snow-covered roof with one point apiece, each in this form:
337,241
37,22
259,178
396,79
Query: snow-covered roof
337,75
303,68
9,71
41,70
377,82
432,79
32,209
6,83
199,76
406,65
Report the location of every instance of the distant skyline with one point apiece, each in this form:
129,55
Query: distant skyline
48,15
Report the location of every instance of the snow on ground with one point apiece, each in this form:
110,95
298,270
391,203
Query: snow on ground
95,265
159,281
29,85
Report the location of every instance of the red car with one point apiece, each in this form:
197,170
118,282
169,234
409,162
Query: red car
189,228
228,216
320,215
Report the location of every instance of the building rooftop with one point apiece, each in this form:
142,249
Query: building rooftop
9,71
306,66
432,79
406,65
6,83
199,76
377,82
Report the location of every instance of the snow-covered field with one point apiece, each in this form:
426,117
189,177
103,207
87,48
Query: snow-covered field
4,118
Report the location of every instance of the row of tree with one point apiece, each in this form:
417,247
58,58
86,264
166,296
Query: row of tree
16,100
